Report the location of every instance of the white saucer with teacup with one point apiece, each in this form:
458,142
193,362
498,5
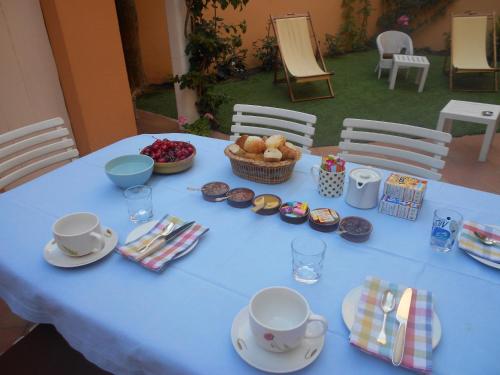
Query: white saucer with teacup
277,332
79,239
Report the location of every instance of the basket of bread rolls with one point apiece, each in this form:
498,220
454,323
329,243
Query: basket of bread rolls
268,160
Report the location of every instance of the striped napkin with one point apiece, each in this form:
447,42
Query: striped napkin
470,243
368,322
159,260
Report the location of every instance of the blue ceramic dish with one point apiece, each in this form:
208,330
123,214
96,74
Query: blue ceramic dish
130,170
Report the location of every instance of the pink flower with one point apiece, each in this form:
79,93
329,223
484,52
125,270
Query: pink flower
182,121
403,20
269,336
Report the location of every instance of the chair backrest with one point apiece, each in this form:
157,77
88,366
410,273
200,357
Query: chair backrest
393,41
295,45
33,147
297,127
425,159
468,41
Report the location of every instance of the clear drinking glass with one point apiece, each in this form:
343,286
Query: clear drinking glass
139,203
308,254
445,227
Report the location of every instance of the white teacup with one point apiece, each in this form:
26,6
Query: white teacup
279,319
78,234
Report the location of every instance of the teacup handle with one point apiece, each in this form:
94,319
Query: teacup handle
315,173
100,239
317,318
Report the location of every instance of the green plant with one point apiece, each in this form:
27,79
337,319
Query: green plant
210,43
199,127
418,12
266,51
352,35
333,47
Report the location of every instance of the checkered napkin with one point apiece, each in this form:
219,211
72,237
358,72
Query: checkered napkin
469,242
158,260
368,322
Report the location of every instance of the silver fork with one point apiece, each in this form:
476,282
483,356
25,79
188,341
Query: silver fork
163,233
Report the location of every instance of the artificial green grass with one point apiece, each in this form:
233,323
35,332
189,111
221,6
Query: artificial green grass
358,94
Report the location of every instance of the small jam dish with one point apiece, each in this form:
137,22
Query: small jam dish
324,219
266,204
355,229
213,190
240,197
294,212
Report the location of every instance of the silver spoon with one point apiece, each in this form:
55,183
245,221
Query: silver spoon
486,240
387,304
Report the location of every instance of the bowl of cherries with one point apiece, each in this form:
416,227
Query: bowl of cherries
170,156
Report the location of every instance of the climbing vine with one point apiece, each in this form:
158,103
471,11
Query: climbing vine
352,35
211,43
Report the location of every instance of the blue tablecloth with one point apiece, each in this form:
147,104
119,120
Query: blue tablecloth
129,320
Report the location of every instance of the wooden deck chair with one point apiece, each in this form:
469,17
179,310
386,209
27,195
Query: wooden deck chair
419,151
297,53
469,37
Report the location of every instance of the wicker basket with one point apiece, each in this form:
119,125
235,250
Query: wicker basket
261,171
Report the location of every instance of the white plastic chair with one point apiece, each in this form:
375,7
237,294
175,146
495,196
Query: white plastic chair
390,43
29,149
424,154
297,127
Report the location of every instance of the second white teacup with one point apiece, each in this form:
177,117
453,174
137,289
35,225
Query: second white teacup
279,319
78,234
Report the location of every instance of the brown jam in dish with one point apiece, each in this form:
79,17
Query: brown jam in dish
241,195
215,188
356,225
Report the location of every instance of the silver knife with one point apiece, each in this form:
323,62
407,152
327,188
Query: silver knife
402,313
169,237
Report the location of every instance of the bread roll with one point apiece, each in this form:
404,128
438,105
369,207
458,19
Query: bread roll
241,140
275,141
296,148
288,152
254,145
237,150
249,155
272,154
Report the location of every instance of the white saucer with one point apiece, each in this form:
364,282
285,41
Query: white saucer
261,359
56,257
145,228
484,261
350,306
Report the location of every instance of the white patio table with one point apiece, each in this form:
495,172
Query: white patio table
129,320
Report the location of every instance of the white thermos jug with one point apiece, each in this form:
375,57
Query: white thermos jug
363,188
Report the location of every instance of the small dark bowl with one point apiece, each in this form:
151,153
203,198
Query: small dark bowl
327,226
213,190
292,218
355,229
268,211
240,197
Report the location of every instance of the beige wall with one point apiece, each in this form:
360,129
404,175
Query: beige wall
153,37
85,39
433,35
29,88
326,17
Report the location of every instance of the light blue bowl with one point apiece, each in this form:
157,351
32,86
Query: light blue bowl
130,170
